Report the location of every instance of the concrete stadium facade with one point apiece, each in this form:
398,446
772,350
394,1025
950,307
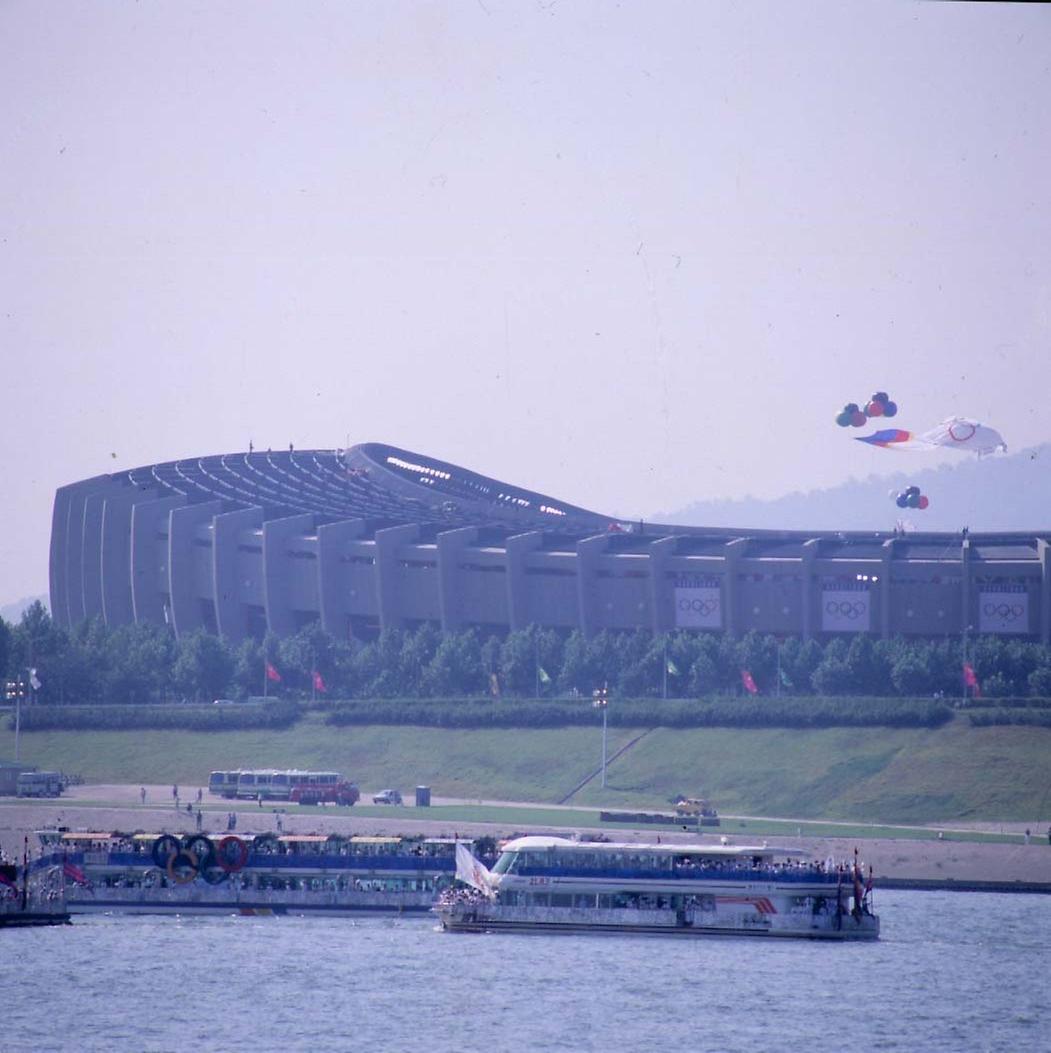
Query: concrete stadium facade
375,537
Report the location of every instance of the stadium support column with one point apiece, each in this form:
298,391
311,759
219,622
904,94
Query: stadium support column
67,553
731,568
183,555
277,592
662,614
226,533
885,566
966,574
588,552
57,558
117,605
517,548
331,588
91,555
149,561
811,549
451,547
388,541
1043,550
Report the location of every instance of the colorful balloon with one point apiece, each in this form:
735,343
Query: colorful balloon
858,419
890,409
843,419
901,501
913,500
874,409
924,501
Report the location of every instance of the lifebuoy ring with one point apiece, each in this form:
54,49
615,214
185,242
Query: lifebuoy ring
201,846
182,867
232,854
163,849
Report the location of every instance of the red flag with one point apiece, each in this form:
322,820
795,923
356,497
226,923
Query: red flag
272,673
970,679
319,683
749,683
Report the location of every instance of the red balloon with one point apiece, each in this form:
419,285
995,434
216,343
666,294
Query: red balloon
924,501
874,409
858,419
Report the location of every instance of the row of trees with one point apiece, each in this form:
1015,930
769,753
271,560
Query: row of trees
144,663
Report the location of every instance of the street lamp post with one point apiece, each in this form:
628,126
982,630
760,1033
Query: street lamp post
966,630
601,701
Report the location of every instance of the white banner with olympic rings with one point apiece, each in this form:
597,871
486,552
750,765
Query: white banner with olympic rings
844,610
1003,612
698,607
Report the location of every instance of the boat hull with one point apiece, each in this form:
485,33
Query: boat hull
23,919
213,902
661,923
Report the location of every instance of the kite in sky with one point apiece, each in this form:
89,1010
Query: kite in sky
956,433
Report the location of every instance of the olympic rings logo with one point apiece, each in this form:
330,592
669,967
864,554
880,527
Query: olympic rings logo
183,861
961,432
701,607
1008,612
846,608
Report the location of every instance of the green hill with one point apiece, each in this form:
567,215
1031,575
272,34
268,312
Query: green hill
870,774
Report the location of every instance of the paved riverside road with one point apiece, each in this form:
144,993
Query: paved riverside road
109,807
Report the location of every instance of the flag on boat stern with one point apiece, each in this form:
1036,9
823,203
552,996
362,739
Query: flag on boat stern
74,873
473,873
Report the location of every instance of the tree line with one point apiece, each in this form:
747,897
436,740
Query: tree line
93,664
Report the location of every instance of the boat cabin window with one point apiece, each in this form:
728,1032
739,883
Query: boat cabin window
507,863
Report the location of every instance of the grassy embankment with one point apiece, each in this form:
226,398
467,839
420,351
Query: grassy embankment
890,775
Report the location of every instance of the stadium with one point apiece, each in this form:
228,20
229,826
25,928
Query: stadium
374,537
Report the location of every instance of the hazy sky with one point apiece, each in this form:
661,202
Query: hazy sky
630,254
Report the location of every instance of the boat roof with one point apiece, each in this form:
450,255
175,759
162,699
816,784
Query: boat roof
536,841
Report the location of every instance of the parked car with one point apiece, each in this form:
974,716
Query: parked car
387,797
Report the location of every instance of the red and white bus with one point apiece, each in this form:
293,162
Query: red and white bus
294,786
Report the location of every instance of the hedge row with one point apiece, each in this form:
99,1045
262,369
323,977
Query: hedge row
732,713
1010,702
276,714
1040,718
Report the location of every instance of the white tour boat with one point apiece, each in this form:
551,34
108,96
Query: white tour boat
554,884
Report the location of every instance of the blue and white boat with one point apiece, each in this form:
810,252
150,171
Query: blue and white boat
316,874
554,884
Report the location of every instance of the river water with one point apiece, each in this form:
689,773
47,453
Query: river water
958,972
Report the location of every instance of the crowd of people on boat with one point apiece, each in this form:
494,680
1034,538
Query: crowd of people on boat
461,895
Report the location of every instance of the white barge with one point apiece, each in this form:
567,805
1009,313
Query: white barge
553,884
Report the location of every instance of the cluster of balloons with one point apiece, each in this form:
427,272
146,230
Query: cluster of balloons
911,498
853,416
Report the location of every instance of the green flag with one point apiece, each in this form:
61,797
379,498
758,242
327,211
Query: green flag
673,669
786,680
541,672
